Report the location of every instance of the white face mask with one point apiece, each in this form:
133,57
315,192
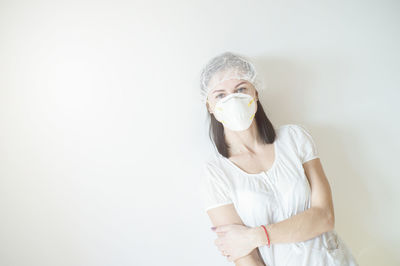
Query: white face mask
236,111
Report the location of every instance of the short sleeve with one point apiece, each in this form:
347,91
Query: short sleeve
215,187
305,145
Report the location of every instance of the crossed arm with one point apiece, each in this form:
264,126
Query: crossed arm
227,214
319,218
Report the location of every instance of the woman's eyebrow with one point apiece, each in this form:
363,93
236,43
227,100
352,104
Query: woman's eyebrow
217,91
235,86
240,84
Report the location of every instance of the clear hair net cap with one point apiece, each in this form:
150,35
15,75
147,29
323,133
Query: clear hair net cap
227,66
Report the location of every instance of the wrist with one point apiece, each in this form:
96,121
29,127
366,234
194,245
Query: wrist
259,236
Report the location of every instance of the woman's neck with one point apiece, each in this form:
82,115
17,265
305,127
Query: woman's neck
242,142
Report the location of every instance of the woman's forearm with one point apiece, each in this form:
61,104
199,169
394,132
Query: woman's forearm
300,227
253,259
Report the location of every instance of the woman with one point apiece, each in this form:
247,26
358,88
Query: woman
265,190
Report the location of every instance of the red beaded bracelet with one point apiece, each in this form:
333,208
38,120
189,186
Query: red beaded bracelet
265,229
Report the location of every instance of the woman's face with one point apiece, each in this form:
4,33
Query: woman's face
227,87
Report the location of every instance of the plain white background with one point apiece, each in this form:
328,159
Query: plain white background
103,136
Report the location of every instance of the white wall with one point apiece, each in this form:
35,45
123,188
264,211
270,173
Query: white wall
102,134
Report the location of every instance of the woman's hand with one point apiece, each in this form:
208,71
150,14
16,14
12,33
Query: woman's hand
235,240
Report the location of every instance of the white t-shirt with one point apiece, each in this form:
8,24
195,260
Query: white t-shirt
275,195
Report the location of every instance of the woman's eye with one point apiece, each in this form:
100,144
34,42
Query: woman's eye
243,88
218,96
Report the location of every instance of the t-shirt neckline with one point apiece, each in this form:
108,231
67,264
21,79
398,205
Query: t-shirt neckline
265,172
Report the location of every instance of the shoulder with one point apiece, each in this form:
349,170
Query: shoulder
285,131
213,164
294,134
293,130
216,167
212,161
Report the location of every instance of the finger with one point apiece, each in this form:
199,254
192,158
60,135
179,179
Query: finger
222,228
219,246
220,234
217,242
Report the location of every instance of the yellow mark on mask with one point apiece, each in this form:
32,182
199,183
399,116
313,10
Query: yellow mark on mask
252,116
250,102
219,108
